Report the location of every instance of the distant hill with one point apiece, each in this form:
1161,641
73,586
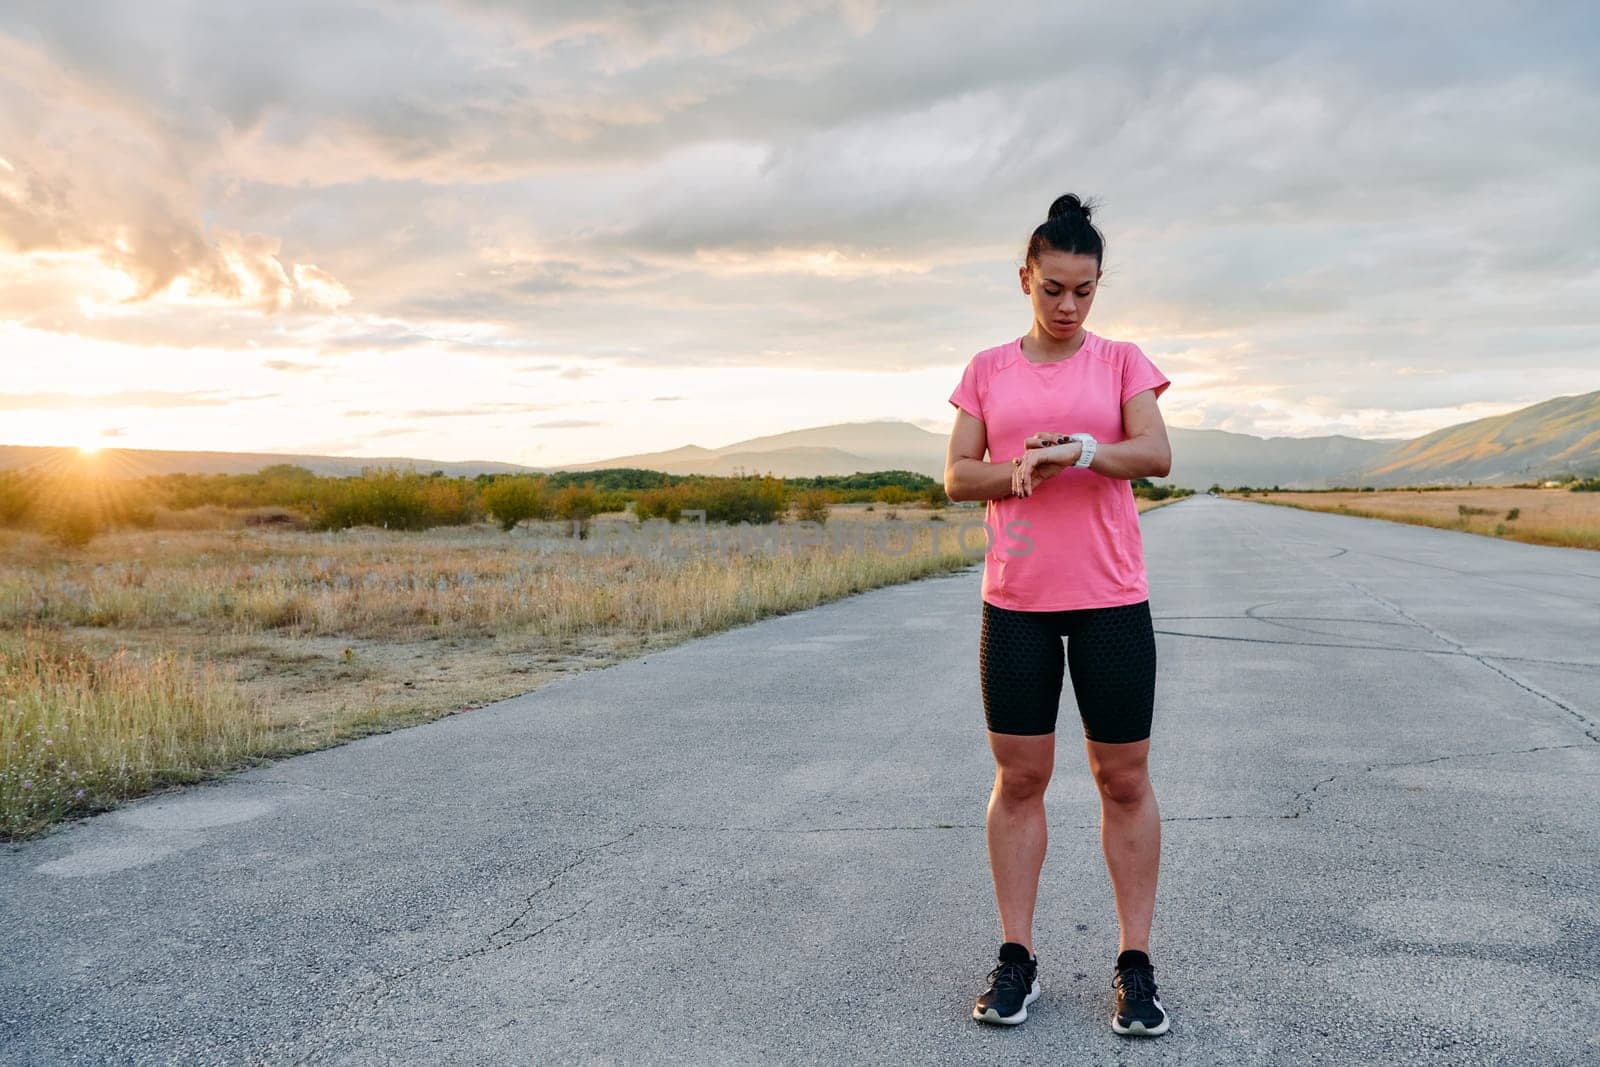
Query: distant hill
843,448
1554,437
1560,435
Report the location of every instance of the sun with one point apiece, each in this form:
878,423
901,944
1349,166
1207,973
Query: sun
89,444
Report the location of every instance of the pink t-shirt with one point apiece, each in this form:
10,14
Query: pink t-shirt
1075,542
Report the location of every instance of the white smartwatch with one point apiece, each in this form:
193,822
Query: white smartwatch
1088,443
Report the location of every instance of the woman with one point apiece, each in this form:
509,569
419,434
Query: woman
1067,418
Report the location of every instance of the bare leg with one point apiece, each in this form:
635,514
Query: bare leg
1016,827
1130,833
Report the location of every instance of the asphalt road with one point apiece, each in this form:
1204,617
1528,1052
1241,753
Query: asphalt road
1376,753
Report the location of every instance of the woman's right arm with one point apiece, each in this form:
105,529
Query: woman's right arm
966,475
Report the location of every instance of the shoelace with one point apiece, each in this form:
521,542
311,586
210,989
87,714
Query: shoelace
1137,983
1014,975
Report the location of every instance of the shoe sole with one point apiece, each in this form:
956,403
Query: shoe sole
1139,1029
991,1016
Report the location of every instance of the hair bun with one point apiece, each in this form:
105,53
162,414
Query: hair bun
1068,204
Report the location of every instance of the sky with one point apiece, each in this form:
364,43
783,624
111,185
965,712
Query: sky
558,231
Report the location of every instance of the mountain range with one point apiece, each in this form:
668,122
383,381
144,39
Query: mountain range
1555,437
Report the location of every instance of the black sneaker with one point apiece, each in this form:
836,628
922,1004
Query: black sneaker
1013,985
1139,1013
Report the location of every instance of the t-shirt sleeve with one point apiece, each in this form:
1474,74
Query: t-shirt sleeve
1139,374
967,396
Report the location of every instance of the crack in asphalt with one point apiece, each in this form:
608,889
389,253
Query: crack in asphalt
1302,799
1304,796
494,944
375,994
1493,578
1459,651
1591,729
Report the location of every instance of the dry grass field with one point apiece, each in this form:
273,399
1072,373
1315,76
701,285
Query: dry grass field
1538,516
150,659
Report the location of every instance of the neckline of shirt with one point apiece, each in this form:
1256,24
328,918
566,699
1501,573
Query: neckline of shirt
1089,338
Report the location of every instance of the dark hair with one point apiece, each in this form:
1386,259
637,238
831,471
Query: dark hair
1068,230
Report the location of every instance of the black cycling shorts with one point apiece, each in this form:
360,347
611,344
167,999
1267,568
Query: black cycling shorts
1110,652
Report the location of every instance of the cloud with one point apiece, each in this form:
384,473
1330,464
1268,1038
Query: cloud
475,411
145,398
95,184
1387,209
318,288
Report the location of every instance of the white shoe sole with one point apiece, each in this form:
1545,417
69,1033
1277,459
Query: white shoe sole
992,1016
1139,1029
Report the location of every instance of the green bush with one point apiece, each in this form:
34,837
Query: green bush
73,504
812,506
395,500
892,494
73,523
577,502
280,485
17,494
730,500
514,498
658,504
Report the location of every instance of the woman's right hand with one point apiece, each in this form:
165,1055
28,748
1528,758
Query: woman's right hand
1037,464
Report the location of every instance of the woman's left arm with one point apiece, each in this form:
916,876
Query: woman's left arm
1145,452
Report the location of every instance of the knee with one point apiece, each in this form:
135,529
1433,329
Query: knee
1019,785
1126,786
